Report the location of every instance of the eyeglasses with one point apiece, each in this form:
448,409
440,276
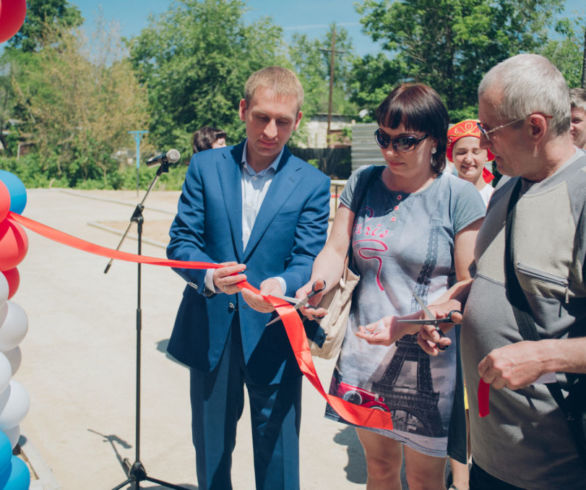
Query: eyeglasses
400,143
486,132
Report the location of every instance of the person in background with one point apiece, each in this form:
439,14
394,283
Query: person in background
411,227
469,159
207,138
578,124
262,214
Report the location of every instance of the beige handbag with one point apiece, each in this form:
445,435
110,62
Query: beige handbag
332,327
338,302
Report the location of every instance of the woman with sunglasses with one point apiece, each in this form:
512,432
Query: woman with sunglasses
411,229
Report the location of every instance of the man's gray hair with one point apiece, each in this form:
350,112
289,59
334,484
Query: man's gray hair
578,98
530,83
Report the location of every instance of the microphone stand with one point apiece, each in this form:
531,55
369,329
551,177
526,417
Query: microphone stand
136,471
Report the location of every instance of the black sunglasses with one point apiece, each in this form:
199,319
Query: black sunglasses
400,143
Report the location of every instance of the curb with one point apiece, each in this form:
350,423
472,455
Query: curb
42,477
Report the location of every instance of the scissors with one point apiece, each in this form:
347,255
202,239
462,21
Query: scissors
431,319
317,287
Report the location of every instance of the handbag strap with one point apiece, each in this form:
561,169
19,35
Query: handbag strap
361,189
516,295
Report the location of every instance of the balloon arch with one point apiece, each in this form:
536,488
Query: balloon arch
14,399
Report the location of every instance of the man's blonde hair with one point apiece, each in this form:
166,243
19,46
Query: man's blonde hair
281,80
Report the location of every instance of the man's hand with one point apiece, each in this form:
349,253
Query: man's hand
226,277
513,366
269,287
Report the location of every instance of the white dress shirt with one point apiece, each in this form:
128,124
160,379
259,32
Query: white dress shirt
254,189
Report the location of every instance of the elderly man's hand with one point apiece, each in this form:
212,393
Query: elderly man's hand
513,366
428,338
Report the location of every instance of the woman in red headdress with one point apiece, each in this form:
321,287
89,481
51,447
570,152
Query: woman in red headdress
470,160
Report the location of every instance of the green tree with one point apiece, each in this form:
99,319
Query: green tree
311,60
6,107
567,50
195,59
308,62
75,111
372,78
41,15
450,44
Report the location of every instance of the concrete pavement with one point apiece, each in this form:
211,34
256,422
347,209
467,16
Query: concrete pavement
78,360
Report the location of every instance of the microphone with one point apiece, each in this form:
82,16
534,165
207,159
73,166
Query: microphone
172,156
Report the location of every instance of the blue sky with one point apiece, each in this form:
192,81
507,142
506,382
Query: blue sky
311,17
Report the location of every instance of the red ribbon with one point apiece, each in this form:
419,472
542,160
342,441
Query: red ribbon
487,175
353,414
71,241
483,398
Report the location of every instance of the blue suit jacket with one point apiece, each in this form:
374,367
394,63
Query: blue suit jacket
288,233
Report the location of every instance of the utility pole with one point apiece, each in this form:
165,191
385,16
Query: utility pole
332,61
332,52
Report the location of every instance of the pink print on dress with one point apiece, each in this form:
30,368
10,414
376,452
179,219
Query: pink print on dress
358,224
384,248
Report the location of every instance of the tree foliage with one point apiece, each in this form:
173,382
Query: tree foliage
195,59
566,51
42,14
75,109
311,59
187,69
449,44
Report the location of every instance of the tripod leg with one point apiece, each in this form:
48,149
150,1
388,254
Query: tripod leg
165,484
123,484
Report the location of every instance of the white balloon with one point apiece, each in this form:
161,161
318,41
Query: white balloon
13,434
4,396
4,288
15,408
14,357
5,372
14,328
3,309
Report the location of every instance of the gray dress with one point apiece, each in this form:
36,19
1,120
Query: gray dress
403,243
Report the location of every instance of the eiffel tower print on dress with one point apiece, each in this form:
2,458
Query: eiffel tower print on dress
414,406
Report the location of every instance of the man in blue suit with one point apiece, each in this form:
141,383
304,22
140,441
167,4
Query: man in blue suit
263,214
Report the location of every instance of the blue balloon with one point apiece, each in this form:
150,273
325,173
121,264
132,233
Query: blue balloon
5,454
20,476
16,189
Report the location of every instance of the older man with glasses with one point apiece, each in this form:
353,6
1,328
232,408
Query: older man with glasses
524,322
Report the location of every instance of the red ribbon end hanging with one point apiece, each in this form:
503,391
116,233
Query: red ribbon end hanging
483,399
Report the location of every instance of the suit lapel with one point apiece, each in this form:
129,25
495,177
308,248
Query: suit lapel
230,177
284,183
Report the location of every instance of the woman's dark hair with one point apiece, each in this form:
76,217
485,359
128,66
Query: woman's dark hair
419,108
205,137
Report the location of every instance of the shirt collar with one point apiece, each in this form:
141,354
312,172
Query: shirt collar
250,171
